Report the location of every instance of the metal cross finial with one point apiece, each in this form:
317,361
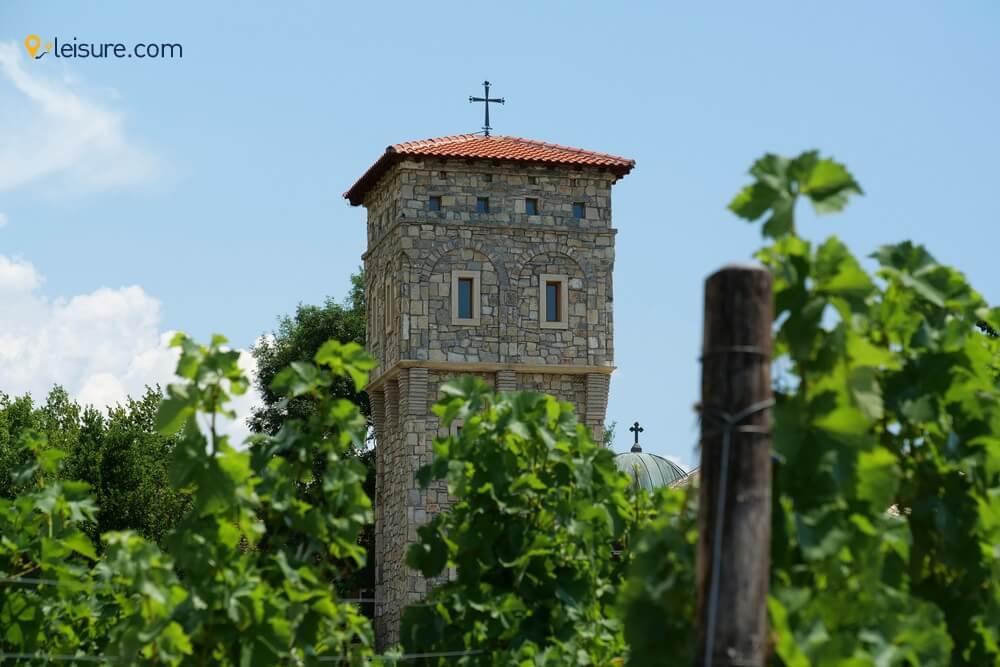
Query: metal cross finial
635,428
486,99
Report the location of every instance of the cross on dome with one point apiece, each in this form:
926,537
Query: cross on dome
636,429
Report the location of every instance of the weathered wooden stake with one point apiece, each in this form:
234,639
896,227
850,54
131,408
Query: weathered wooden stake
734,519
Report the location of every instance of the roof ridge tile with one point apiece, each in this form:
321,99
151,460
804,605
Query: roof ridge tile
484,147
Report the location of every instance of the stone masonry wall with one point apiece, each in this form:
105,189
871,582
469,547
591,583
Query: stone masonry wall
412,252
415,252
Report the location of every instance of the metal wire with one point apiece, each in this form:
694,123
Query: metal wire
35,581
30,580
403,657
730,424
58,658
330,658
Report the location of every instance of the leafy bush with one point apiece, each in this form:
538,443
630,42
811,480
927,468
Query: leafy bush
889,399
530,538
218,598
658,596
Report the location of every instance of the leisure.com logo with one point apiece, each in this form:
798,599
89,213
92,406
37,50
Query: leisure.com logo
80,49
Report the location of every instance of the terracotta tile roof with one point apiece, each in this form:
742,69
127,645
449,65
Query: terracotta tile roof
476,146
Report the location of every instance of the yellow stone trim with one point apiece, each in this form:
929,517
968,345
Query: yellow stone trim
459,367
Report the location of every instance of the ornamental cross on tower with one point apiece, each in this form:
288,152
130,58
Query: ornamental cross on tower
635,428
486,99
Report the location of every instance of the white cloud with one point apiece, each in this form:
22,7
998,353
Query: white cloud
107,344
50,133
16,275
101,346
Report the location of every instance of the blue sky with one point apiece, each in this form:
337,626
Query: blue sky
204,194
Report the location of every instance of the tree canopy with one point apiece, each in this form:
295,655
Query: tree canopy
119,454
298,338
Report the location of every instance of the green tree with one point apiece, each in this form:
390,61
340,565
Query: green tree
17,417
298,338
132,459
120,455
608,439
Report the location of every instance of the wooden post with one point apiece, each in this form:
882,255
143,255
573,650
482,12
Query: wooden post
734,517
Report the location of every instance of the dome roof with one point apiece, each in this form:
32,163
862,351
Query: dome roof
649,470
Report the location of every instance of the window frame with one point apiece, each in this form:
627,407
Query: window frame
562,307
477,301
471,284
486,205
583,210
533,201
431,201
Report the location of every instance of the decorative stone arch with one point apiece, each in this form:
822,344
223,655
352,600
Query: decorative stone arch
558,249
588,291
426,267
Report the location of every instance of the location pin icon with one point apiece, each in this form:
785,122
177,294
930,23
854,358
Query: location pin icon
32,42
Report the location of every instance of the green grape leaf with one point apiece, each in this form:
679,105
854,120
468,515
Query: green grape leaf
878,477
79,543
829,186
782,219
174,410
753,201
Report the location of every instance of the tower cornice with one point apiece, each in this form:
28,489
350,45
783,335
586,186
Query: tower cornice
465,367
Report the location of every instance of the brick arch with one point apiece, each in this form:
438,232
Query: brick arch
426,266
558,249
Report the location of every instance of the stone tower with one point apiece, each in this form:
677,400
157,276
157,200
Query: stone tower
490,256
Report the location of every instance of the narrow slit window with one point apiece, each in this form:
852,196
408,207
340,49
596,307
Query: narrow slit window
579,210
553,305
531,206
465,298
482,204
385,308
553,301
434,203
